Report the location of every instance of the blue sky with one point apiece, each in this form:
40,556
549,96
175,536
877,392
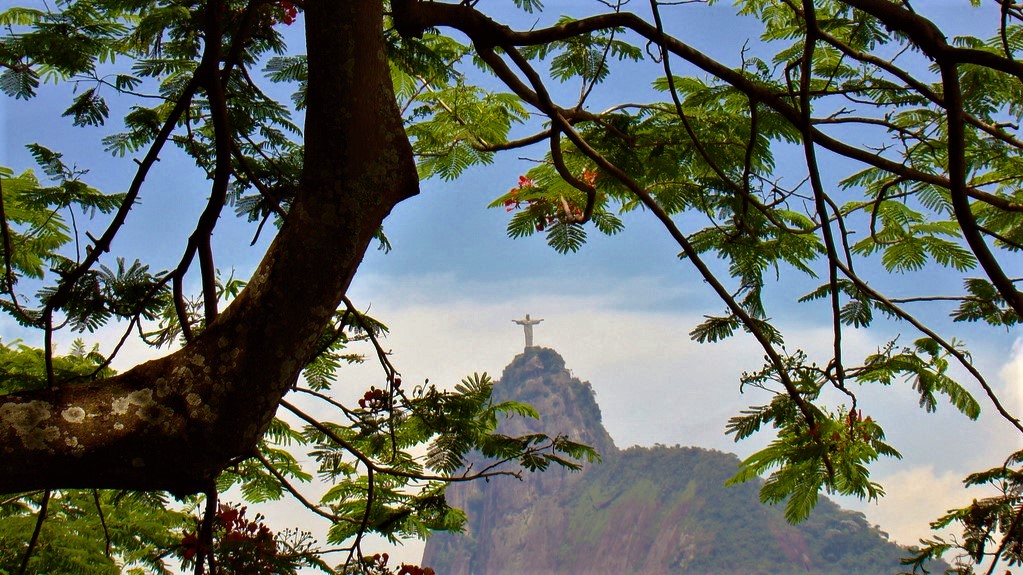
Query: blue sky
619,311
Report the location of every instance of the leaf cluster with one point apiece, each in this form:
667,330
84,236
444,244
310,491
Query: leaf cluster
89,532
991,527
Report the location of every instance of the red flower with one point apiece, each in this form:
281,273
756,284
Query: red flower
190,545
285,12
589,177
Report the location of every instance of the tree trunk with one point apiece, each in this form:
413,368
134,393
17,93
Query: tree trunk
174,423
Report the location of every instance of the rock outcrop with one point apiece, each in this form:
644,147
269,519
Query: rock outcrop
641,511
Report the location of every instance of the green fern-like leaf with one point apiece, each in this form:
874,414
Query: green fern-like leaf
88,109
566,237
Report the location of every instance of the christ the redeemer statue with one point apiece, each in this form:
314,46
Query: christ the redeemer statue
527,326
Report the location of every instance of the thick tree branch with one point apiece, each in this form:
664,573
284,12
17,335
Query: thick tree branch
172,424
929,38
957,172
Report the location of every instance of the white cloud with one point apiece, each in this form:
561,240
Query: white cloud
914,498
1011,376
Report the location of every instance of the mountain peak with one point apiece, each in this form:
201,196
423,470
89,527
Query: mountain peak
567,406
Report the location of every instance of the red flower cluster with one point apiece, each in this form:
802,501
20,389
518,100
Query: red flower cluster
415,570
525,182
237,527
375,399
190,545
245,546
377,564
590,177
284,12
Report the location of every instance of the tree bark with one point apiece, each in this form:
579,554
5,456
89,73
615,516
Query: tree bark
174,423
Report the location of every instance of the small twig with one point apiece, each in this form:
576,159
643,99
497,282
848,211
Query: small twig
948,347
295,493
14,498
102,522
40,518
9,279
351,415
488,471
364,524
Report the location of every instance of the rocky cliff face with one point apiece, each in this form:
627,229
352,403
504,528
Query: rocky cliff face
641,511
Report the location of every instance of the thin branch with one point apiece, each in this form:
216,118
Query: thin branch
488,471
213,82
809,151
515,144
204,552
14,498
390,373
930,39
135,321
1007,537
666,63
275,202
690,251
1007,241
918,86
102,522
932,298
351,415
180,306
364,524
591,193
63,291
9,278
948,347
295,493
587,86
40,518
485,32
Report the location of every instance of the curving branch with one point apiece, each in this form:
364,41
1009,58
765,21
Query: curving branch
957,173
296,493
820,197
413,17
102,244
665,219
488,471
